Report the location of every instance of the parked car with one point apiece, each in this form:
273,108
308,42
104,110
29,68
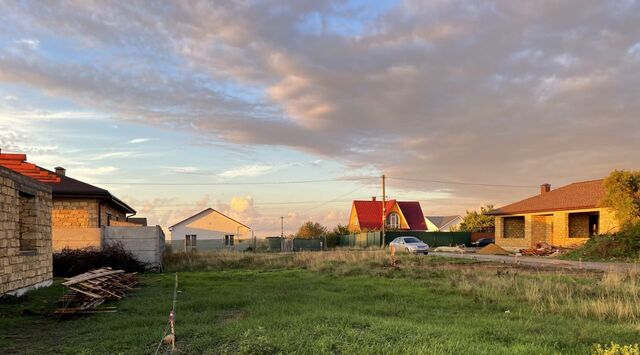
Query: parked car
483,242
409,245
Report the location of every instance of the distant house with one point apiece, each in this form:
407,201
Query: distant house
78,204
25,226
210,229
566,216
399,215
442,223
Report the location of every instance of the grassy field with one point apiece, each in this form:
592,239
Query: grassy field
342,302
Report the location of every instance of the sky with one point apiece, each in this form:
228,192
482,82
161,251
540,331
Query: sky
177,106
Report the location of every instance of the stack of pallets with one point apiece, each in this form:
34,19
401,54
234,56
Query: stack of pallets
85,292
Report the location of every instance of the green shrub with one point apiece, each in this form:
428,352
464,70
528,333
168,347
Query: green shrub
623,245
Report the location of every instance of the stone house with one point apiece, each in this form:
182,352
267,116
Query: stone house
25,227
78,204
567,216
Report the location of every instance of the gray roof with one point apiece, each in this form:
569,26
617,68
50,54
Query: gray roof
441,221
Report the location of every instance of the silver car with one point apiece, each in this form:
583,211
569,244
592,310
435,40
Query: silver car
409,245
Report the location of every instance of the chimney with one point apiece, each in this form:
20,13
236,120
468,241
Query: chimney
544,188
60,170
373,198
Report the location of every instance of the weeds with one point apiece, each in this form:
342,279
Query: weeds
612,296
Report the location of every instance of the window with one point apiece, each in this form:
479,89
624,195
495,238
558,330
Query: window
27,223
228,240
513,227
393,220
191,240
584,225
108,219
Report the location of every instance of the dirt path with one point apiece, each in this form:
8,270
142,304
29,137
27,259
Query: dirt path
542,261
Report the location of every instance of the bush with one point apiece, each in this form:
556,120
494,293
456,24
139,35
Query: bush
623,245
71,262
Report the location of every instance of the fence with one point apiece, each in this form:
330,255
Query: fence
218,245
434,239
308,244
145,243
360,240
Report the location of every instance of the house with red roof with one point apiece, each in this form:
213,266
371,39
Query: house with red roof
566,216
399,215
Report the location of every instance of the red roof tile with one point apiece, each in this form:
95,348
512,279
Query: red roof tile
370,213
413,214
579,195
18,163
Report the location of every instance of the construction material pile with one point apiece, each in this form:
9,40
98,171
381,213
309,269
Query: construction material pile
544,249
85,292
492,249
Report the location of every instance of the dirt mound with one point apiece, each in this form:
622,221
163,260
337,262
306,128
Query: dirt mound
492,249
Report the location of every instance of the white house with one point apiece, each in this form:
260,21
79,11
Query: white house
210,230
442,223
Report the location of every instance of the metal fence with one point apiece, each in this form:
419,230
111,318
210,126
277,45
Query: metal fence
360,240
434,239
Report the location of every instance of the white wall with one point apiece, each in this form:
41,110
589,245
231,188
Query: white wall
211,226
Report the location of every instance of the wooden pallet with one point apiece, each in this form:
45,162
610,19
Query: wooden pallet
86,292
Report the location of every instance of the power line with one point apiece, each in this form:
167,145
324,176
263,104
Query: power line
226,183
463,183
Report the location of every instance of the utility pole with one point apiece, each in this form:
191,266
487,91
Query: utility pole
253,237
384,203
282,243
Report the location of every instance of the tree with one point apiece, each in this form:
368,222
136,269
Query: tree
311,230
332,237
475,221
622,194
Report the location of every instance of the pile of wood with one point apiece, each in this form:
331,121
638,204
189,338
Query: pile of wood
85,292
544,249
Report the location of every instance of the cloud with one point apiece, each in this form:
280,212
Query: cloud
185,170
139,140
247,171
503,92
111,155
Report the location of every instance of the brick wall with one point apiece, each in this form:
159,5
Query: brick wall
25,232
75,213
124,224
554,228
578,225
83,213
116,215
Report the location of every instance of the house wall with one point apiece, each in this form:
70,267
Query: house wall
116,215
75,213
353,225
554,228
211,226
27,264
83,213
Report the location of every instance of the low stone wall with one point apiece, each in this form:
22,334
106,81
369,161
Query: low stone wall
76,238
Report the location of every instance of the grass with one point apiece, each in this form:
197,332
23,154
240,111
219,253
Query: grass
342,302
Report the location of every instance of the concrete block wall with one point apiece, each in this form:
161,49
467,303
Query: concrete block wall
24,263
146,243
